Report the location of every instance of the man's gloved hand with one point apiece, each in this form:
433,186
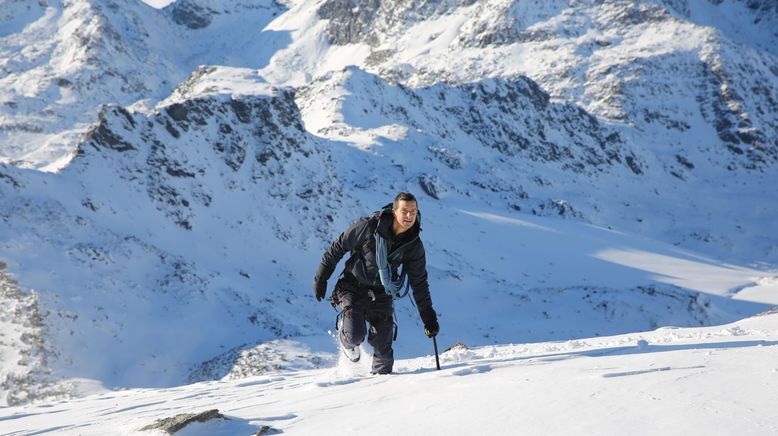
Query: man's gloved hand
430,320
320,289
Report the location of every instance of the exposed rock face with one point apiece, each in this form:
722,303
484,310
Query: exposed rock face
191,14
741,124
500,22
352,21
254,135
512,116
516,117
623,90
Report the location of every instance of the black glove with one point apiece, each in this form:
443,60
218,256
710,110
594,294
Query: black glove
430,320
320,289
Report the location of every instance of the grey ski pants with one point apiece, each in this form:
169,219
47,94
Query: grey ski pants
357,310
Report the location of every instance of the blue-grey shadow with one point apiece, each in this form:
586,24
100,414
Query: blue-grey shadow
244,51
482,365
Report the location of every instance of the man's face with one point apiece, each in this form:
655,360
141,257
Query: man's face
405,214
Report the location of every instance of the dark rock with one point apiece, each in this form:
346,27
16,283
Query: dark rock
178,422
350,21
633,165
378,57
178,172
8,179
683,161
177,111
746,139
172,130
102,136
457,346
449,158
34,380
267,430
242,110
638,13
557,208
734,149
89,205
427,184
191,15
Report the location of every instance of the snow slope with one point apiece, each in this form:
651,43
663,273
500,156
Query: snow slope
62,59
174,175
214,272
508,143
716,381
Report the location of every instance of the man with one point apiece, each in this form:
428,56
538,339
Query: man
379,245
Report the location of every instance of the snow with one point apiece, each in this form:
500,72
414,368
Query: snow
159,4
220,80
700,274
595,302
714,380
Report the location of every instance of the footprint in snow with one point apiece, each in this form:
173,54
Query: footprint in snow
478,369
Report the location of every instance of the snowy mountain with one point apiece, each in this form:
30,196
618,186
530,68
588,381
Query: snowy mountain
668,83
171,176
62,59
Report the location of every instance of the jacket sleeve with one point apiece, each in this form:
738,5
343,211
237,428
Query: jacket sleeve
347,241
416,266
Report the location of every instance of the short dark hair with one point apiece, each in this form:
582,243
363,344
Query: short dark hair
403,196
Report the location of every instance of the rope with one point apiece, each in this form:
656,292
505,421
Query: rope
391,287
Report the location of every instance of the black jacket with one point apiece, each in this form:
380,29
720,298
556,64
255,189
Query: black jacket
359,240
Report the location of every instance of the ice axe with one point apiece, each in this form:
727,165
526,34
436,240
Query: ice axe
437,359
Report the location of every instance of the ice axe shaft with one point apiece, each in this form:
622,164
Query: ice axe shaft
437,359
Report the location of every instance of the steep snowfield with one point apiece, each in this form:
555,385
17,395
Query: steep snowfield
211,271
717,381
170,178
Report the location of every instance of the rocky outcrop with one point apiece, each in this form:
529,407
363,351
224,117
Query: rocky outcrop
354,21
256,135
174,424
24,338
745,126
191,14
514,117
257,359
